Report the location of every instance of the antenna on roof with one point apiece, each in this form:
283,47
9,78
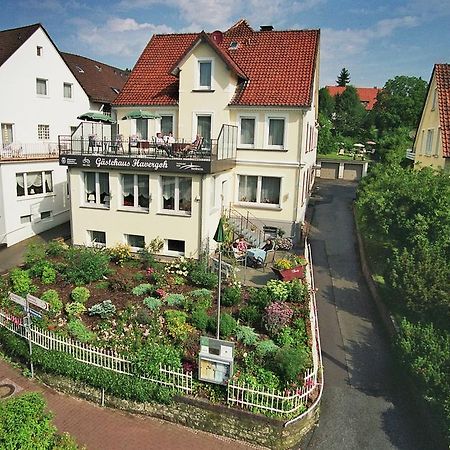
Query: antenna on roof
266,27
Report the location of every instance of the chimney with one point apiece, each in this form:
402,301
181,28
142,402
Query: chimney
266,28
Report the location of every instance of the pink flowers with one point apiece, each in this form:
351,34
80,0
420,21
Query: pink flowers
160,292
277,315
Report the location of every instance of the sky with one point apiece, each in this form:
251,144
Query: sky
375,40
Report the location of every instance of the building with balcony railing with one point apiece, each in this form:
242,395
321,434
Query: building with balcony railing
222,119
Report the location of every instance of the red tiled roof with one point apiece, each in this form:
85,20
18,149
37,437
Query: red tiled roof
368,96
279,65
442,72
11,40
97,79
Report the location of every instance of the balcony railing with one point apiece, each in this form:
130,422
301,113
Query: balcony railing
181,156
35,150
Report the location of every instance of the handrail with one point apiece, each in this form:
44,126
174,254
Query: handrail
246,223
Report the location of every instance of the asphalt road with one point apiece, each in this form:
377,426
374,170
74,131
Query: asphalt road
365,404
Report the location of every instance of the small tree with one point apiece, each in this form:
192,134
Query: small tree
344,77
349,113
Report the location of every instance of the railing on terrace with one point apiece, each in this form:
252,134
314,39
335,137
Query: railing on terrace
249,225
35,150
410,154
287,402
94,356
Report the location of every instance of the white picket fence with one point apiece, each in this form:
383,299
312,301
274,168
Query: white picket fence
289,401
94,356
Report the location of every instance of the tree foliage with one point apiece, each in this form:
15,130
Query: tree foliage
349,113
326,103
343,78
399,103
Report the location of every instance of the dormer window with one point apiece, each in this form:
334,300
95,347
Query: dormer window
39,50
98,68
233,45
205,72
79,69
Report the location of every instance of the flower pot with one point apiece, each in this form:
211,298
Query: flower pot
290,274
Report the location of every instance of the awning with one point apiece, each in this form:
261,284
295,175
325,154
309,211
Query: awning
138,114
96,117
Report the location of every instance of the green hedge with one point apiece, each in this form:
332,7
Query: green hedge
57,363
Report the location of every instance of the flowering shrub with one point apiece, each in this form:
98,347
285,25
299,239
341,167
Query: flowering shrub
176,325
284,243
104,309
279,289
277,315
152,303
178,267
120,253
283,264
161,293
75,309
80,294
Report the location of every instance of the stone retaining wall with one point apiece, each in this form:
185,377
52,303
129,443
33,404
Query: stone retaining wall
202,415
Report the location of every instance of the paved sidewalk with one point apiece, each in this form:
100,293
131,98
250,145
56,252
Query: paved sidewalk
102,428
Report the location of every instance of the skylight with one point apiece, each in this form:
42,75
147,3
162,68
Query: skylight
233,45
79,69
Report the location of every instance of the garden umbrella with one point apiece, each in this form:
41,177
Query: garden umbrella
219,237
138,114
92,116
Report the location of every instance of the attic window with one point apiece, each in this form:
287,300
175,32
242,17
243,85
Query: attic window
98,68
39,50
233,45
79,69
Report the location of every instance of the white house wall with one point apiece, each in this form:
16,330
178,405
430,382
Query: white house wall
57,202
21,106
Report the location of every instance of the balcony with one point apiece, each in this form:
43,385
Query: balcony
91,151
18,151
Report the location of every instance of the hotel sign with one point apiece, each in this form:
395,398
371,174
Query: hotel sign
136,163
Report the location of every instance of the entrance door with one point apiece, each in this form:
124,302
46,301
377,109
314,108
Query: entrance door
204,129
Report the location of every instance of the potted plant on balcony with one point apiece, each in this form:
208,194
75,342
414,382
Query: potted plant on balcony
290,267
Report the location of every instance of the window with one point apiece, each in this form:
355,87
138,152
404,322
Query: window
41,86
175,246
247,135
135,241
39,50
7,133
97,238
96,189
142,128
429,143
34,183
176,194
67,90
135,191
258,189
43,132
25,219
205,71
434,102
276,132
166,125
46,215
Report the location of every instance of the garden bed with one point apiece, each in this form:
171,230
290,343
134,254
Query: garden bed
155,313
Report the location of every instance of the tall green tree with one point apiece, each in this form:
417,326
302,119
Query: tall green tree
343,78
399,103
349,113
326,103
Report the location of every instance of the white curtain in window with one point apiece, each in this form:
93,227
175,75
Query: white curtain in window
19,180
89,182
247,131
127,185
168,188
34,179
276,131
270,190
247,188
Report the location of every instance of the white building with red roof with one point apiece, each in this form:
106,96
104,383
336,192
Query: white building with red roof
250,95
432,142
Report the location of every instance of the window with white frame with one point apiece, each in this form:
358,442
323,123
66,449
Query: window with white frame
135,191
97,238
166,125
43,132
175,247
259,189
34,183
205,74
176,194
429,143
41,86
135,241
275,137
204,122
67,88
247,131
96,189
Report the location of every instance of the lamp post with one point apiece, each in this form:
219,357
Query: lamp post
219,237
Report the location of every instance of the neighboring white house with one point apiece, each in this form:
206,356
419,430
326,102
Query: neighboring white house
40,100
251,95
